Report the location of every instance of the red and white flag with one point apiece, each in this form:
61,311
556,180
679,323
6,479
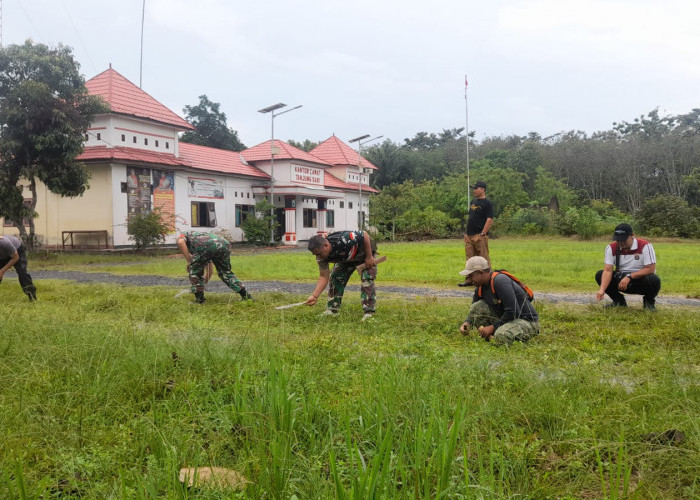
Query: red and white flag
466,84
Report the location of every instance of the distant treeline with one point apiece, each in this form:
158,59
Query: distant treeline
646,171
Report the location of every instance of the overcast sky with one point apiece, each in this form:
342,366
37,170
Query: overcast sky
388,67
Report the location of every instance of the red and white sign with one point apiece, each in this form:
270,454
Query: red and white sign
307,175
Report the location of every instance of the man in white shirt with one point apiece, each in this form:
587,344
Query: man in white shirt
630,267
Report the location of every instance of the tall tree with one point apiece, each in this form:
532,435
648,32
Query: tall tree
45,111
210,127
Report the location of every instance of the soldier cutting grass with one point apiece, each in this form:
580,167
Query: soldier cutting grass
346,249
203,249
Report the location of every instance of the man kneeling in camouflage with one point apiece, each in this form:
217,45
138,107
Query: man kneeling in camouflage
502,309
202,249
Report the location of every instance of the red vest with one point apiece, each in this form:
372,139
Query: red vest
640,246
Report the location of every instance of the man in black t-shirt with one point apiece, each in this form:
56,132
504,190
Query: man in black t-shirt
476,239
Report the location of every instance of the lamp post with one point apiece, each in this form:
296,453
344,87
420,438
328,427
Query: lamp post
273,151
360,141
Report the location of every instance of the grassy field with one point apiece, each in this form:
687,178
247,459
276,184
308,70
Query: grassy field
552,264
107,391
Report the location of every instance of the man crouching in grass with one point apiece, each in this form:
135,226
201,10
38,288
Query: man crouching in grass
347,249
502,309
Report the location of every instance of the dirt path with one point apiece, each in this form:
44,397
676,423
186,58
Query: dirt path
217,286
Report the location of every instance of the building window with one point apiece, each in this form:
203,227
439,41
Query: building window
350,204
309,217
156,142
243,212
86,138
247,195
123,138
99,136
203,214
8,222
134,139
167,145
342,204
330,218
145,141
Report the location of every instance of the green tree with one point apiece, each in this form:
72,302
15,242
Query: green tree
307,145
387,206
546,186
210,127
668,215
45,111
505,185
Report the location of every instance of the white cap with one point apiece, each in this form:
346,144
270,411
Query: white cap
475,264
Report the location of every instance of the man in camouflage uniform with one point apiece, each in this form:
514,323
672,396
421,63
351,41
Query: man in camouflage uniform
201,249
347,250
504,313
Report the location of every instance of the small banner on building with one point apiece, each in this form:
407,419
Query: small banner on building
164,196
138,194
199,187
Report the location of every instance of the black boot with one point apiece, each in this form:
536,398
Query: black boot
245,295
199,297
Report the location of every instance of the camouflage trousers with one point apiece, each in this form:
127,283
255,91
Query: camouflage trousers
220,256
339,279
518,329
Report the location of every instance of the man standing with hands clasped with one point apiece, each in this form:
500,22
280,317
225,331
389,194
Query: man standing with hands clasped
476,238
634,262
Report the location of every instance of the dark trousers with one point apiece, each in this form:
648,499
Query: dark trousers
648,286
25,280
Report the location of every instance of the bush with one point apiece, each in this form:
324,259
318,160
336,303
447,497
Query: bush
667,215
427,223
530,220
148,228
257,229
584,222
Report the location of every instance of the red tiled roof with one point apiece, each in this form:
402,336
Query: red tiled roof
218,160
287,152
129,154
191,155
126,98
337,153
331,181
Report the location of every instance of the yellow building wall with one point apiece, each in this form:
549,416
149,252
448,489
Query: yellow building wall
91,211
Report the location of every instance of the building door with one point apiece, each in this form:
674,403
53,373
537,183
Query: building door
281,226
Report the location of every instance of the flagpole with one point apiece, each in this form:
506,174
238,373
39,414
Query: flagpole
466,135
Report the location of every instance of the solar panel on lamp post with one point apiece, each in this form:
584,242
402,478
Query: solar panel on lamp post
273,151
360,141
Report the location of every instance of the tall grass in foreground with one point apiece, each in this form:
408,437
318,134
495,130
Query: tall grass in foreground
108,391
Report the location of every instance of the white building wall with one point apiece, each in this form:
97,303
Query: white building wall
116,131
